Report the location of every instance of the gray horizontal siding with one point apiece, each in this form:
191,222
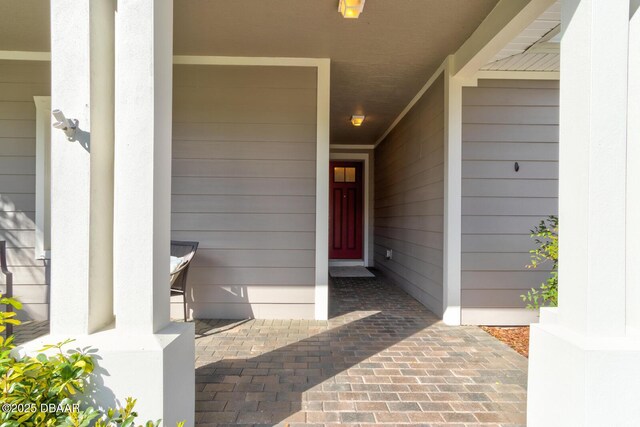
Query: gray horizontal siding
505,122
19,83
409,200
244,167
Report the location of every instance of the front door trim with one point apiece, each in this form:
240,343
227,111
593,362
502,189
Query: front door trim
367,231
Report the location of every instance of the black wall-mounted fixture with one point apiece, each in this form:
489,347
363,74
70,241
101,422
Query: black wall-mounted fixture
516,166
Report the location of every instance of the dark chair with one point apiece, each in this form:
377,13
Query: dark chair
8,280
178,278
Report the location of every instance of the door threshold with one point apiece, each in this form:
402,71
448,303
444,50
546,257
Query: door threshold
346,263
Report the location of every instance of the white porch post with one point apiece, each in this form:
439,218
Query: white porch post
452,195
164,377
82,169
633,175
144,46
583,366
111,204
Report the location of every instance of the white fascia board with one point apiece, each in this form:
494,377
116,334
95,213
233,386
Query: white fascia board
517,75
508,19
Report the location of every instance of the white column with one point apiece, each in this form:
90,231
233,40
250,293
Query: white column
102,59
452,250
633,175
144,356
593,128
81,285
322,191
43,177
163,378
144,46
583,366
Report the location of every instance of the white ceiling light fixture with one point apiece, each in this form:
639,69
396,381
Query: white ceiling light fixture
357,120
351,8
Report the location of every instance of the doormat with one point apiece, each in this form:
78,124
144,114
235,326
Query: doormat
350,272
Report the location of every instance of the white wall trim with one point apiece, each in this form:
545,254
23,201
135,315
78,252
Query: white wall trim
452,245
322,189
323,66
43,177
633,175
18,55
367,256
249,60
494,316
518,75
352,147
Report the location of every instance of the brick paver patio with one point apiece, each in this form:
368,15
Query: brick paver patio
382,358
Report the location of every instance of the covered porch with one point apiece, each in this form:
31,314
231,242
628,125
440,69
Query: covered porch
224,134
381,358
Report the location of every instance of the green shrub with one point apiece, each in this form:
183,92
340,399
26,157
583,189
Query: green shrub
546,238
47,389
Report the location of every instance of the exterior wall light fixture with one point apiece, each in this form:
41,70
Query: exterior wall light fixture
351,9
357,120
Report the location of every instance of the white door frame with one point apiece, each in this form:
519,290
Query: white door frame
367,255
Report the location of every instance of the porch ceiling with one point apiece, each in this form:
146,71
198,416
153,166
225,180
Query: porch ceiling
379,61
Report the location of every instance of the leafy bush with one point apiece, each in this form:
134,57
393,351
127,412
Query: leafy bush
47,389
546,238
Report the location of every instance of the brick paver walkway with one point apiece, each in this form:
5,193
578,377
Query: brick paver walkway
382,358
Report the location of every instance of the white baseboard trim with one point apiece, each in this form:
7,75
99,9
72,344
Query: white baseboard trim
499,316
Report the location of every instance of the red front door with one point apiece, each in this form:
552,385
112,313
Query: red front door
345,207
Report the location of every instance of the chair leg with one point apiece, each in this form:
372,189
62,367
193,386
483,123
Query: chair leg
184,305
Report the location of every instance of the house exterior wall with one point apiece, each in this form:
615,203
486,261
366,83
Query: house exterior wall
505,121
244,168
409,200
20,81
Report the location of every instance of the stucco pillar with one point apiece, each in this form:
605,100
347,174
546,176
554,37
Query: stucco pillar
111,205
583,366
164,376
633,175
144,52
82,166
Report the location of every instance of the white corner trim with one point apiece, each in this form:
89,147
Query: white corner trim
633,176
352,146
18,55
452,245
367,256
413,102
248,60
43,177
517,75
322,189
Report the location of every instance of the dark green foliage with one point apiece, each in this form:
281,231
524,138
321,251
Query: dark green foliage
546,238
